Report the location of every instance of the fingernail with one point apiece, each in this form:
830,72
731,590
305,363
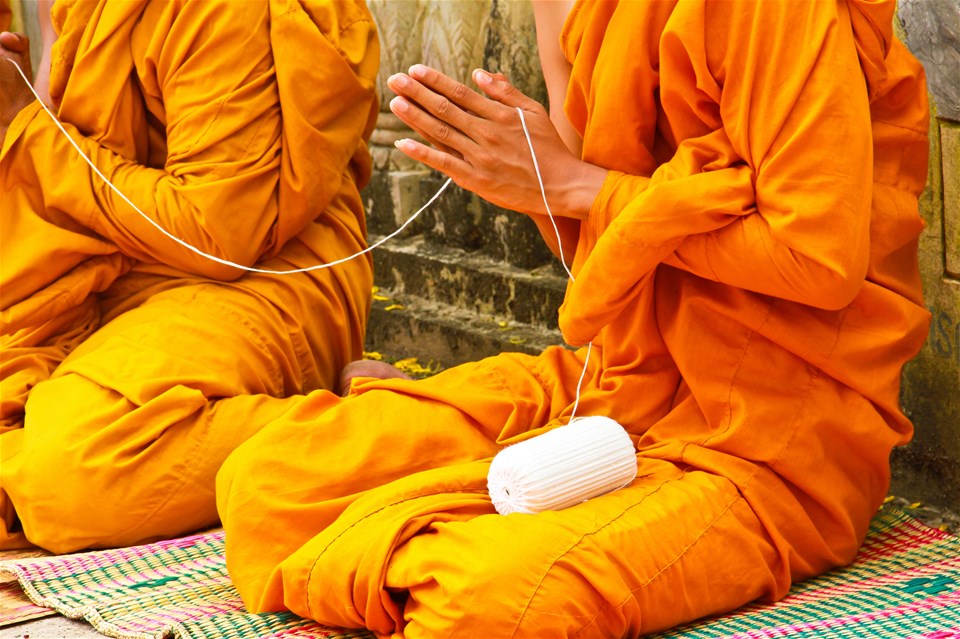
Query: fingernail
482,77
398,79
404,144
418,71
399,104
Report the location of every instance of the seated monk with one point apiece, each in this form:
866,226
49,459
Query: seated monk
131,366
737,183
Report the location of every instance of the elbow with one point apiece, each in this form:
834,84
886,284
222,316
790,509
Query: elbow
218,272
217,236
219,261
831,289
838,296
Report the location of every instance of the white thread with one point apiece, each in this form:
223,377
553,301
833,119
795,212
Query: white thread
543,194
583,373
195,249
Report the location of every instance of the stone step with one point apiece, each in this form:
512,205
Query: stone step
470,281
441,335
457,219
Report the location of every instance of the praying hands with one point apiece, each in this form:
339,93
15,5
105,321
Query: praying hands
480,143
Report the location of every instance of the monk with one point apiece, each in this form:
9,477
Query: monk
131,366
737,185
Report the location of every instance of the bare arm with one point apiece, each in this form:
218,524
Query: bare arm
550,16
42,82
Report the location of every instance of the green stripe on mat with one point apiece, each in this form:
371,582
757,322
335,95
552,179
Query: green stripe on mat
905,583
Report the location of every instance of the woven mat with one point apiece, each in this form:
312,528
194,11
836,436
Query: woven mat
904,584
14,606
176,588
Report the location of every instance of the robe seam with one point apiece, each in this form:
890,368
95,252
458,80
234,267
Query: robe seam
728,417
670,564
583,536
366,516
706,255
801,410
298,10
900,127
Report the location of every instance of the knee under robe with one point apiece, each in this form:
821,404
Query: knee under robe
748,276
131,365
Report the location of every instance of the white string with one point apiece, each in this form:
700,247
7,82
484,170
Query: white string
214,258
543,194
583,373
536,166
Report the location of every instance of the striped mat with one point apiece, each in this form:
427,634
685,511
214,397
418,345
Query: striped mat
905,583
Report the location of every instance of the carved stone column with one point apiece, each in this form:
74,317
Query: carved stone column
454,37
445,35
459,283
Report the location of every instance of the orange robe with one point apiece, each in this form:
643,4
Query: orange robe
748,274
131,366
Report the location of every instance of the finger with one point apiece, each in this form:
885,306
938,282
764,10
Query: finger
442,109
498,88
457,92
14,42
452,166
15,47
431,128
440,146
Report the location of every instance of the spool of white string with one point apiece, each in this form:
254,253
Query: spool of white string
588,457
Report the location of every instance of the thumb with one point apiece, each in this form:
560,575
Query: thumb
496,87
14,42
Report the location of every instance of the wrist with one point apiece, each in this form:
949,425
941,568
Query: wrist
580,190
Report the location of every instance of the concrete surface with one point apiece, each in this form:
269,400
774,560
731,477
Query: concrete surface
56,627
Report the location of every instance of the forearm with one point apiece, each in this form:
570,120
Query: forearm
48,36
190,212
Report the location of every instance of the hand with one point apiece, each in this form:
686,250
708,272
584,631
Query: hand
479,142
14,93
368,368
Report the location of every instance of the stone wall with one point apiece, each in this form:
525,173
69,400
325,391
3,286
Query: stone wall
929,468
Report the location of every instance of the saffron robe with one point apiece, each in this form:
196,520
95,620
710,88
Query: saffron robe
748,277
131,365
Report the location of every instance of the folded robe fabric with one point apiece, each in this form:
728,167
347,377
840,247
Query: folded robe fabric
240,128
